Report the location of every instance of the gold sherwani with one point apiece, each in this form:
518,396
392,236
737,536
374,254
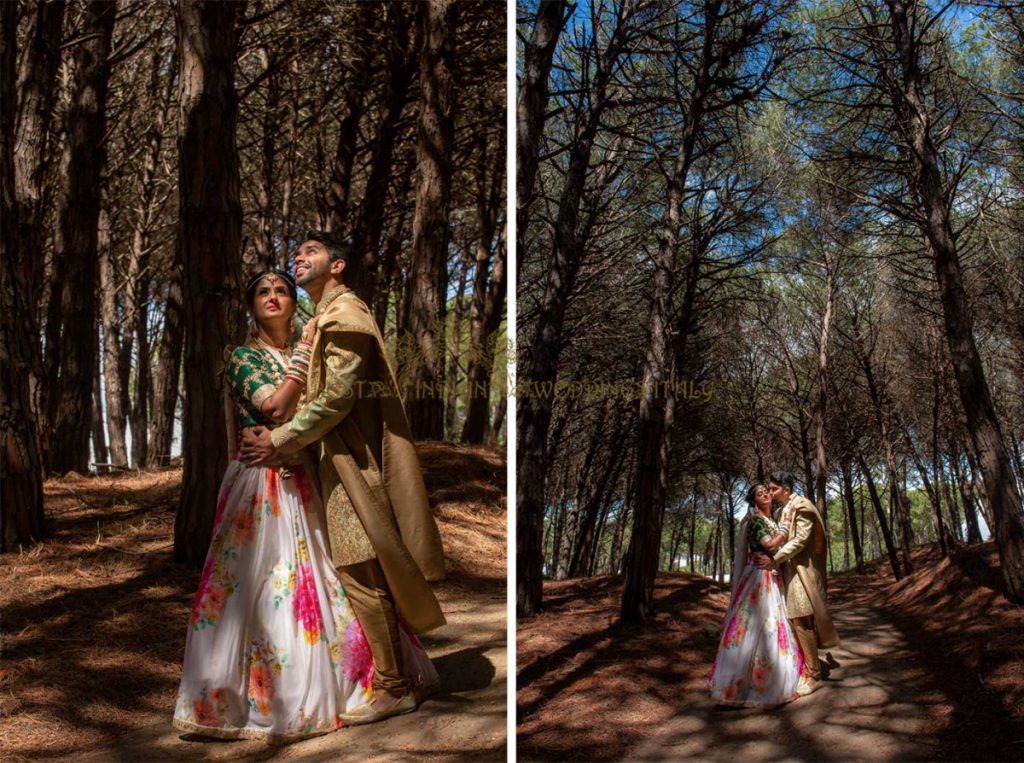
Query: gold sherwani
803,568
375,500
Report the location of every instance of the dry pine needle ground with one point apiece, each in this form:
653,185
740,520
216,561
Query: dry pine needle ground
95,617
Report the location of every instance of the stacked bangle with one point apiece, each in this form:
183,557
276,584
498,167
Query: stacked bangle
299,363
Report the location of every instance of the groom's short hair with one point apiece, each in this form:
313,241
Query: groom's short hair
785,479
338,247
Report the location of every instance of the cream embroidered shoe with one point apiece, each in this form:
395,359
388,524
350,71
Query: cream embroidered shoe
368,714
807,687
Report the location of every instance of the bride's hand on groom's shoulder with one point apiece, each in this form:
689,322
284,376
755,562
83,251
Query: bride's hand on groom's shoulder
310,329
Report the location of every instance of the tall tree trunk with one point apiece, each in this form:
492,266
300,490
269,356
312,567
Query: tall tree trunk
967,497
270,125
678,527
534,410
139,279
615,552
1001,491
403,44
482,364
608,501
391,266
955,520
931,491
690,546
497,421
707,559
451,385
34,100
52,337
657,397
489,288
860,514
428,272
141,393
730,511
99,433
717,567
21,484
364,26
883,523
558,520
168,368
851,510
978,492
941,491
571,523
820,409
531,108
805,454
288,184
594,553
112,320
589,511
209,234
846,539
76,244
901,511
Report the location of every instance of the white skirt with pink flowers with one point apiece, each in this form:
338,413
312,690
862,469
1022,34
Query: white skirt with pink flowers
273,648
759,662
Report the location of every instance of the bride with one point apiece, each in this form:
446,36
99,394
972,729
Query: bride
274,650
759,662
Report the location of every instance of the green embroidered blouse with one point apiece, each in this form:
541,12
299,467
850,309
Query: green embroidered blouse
760,529
253,375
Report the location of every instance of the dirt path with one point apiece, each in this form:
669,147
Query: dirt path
875,706
593,688
466,721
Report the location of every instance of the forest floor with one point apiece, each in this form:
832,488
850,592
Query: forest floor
95,618
930,668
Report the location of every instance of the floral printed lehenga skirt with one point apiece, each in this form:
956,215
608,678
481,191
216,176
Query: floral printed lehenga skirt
274,650
759,662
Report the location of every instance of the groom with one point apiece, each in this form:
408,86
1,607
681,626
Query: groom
383,538
803,572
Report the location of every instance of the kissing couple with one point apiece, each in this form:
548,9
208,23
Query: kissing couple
315,585
777,618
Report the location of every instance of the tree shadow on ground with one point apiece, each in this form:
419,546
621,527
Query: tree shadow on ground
591,687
